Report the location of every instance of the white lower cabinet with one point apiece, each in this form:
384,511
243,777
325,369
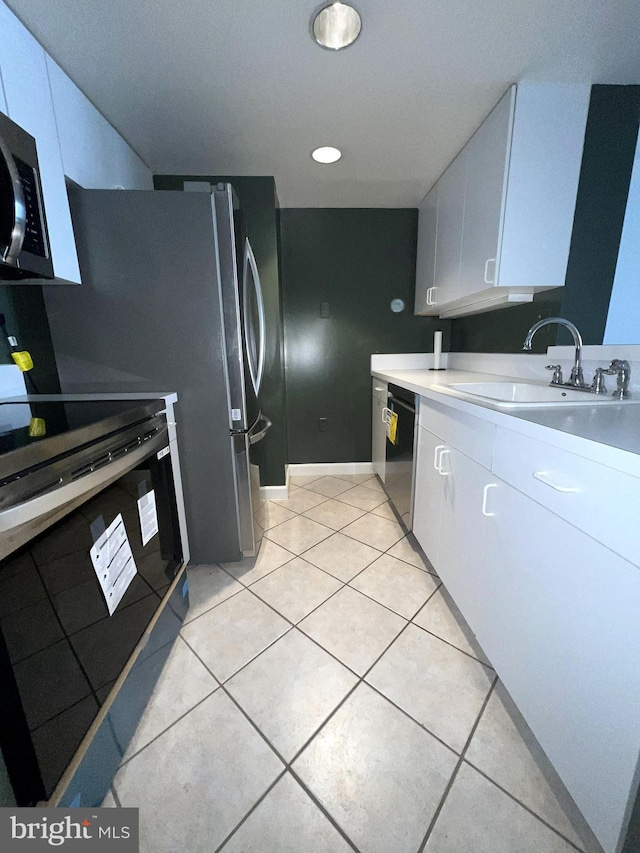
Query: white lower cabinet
427,495
378,427
461,565
560,626
555,610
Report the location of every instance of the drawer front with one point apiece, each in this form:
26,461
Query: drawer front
471,436
598,500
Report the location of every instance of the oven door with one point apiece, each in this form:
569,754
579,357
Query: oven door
61,649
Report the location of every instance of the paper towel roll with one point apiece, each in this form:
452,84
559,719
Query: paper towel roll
437,349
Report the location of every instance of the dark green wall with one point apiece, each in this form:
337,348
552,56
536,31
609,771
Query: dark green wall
357,261
605,173
258,198
26,318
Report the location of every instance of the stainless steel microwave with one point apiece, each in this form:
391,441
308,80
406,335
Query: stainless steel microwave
24,241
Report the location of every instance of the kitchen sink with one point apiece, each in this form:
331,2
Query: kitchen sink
514,394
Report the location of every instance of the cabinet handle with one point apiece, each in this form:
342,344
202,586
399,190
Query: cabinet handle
376,388
485,492
441,470
488,280
430,299
543,477
436,461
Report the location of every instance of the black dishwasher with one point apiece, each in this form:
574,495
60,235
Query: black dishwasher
399,456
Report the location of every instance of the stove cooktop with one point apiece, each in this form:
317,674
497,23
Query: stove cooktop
34,432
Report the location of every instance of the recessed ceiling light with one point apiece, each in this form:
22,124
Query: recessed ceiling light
336,26
326,154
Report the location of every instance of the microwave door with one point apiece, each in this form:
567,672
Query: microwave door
13,217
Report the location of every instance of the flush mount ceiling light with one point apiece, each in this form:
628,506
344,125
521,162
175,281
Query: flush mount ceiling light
335,26
326,154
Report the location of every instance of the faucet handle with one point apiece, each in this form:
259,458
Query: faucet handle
557,373
598,385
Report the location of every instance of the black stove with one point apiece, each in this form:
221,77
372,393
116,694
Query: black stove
71,470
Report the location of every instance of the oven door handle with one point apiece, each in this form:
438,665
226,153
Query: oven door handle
46,504
12,250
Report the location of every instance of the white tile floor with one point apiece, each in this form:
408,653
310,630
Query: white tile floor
328,697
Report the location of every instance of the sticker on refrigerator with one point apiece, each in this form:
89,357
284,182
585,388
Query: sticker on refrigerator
113,562
148,516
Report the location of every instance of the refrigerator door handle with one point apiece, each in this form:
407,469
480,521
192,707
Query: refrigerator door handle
255,437
250,261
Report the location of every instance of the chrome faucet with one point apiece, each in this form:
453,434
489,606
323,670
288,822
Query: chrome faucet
577,377
621,369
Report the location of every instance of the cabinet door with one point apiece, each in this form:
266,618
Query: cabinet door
26,87
378,427
485,187
426,254
94,154
449,231
561,629
427,494
461,558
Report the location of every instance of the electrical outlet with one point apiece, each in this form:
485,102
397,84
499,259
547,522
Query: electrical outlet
324,311
323,424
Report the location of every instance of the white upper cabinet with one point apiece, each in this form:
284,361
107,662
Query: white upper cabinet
94,154
426,254
544,169
506,204
484,196
449,232
28,103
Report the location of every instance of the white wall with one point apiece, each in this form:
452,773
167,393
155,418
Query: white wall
623,323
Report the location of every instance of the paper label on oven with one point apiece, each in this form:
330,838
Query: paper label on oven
113,562
148,516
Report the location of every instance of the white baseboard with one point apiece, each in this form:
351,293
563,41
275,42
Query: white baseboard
274,493
330,468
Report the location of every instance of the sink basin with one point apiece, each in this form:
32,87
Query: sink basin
514,394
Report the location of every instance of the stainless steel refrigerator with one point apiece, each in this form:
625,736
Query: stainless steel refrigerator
170,300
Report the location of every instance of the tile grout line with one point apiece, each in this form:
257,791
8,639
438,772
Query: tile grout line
287,764
452,779
438,637
365,512
343,585
524,805
319,805
128,760
251,810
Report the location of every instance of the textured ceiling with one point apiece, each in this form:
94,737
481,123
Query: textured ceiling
239,87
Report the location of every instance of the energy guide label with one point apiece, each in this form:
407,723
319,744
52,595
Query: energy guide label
113,562
148,516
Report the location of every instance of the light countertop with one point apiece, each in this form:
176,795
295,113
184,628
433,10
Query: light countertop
608,433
